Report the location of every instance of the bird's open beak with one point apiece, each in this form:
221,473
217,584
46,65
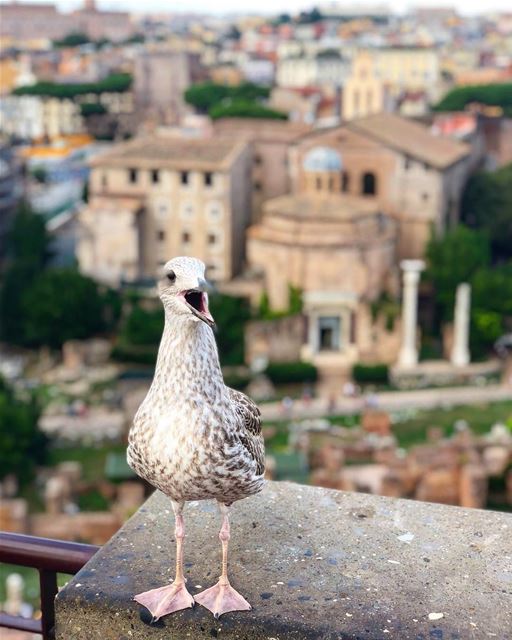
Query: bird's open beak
197,301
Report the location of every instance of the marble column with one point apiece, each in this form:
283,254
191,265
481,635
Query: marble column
408,356
460,350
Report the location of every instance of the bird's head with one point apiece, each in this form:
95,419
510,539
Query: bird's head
183,290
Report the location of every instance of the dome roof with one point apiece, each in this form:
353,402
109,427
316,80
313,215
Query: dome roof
322,159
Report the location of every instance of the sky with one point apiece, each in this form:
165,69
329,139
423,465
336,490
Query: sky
274,6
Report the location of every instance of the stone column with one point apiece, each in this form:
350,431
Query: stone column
460,349
408,356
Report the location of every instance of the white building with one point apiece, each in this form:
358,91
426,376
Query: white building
325,68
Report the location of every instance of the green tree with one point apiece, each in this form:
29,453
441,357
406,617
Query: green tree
495,95
452,259
115,83
487,205
61,305
491,306
75,39
28,253
142,327
231,315
207,95
28,239
22,444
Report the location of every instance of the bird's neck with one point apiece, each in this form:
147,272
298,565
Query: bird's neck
188,361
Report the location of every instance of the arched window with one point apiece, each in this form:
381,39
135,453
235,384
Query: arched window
369,184
345,182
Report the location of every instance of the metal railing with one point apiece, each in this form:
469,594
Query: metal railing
49,557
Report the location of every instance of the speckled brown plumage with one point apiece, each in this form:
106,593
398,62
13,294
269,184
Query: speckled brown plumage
194,438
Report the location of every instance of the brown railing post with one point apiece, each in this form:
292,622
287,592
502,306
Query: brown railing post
48,591
49,557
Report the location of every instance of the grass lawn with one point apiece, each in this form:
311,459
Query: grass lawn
480,418
92,458
411,427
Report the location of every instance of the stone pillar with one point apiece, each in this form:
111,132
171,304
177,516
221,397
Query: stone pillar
408,356
460,349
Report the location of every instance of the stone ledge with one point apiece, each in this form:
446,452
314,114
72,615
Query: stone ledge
314,563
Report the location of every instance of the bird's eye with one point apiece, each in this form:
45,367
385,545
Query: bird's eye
171,276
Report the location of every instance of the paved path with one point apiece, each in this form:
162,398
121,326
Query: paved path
390,401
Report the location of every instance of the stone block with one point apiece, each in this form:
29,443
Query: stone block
473,486
377,422
439,485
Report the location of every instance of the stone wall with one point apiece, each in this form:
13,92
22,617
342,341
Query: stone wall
314,563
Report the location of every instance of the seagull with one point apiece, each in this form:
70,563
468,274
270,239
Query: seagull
192,437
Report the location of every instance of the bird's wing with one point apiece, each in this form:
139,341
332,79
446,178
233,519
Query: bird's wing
250,427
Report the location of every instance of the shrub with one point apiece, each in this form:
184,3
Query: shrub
245,109
289,372
236,381
92,109
371,373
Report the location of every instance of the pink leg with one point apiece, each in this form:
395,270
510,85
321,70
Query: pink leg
222,598
175,596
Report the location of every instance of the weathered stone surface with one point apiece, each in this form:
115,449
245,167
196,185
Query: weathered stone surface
314,563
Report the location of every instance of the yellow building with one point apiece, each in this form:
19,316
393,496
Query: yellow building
408,69
363,91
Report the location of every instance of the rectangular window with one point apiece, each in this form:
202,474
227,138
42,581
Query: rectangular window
104,180
257,159
329,333
160,235
132,175
208,179
257,186
345,181
186,237
184,177
212,239
155,176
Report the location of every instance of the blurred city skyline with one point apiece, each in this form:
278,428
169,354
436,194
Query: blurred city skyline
266,7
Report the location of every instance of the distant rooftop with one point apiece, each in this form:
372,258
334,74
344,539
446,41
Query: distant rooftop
411,138
260,128
172,152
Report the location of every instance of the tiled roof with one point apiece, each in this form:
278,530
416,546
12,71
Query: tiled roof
173,152
411,138
258,129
